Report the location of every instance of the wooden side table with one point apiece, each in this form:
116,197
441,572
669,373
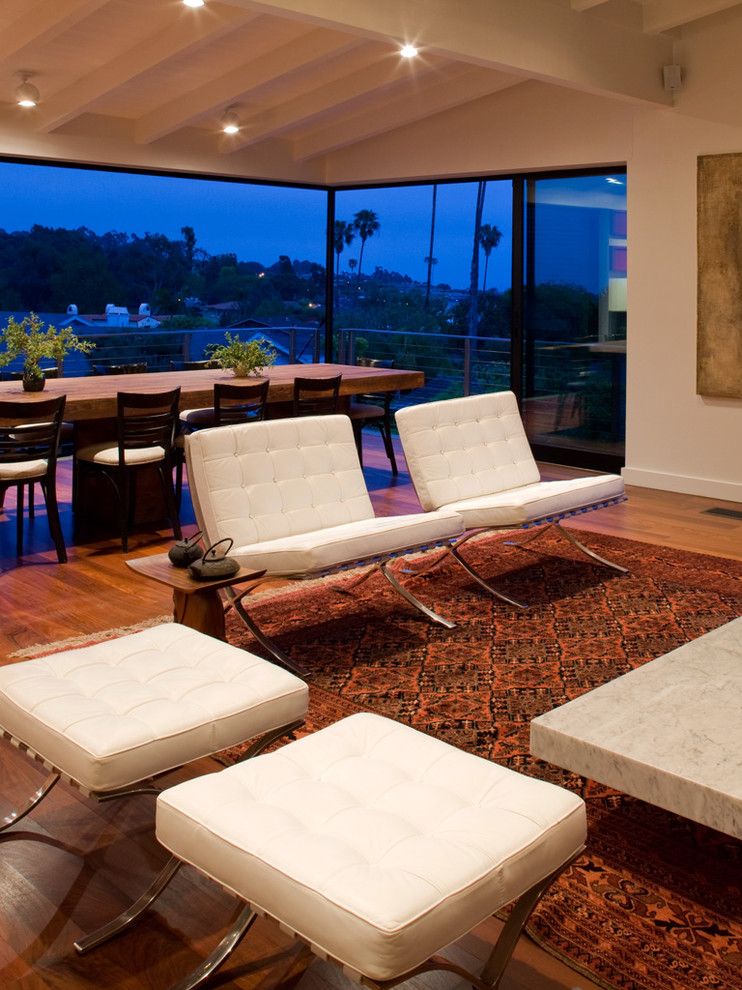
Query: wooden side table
196,604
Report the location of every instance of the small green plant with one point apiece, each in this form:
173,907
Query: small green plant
29,340
244,357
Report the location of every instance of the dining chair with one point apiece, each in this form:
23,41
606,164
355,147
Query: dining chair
145,433
29,440
374,409
232,404
206,365
316,396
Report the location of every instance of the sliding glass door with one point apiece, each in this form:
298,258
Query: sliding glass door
574,317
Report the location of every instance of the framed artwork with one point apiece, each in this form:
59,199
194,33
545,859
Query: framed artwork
719,338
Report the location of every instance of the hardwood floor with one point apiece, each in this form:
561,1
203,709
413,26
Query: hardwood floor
73,863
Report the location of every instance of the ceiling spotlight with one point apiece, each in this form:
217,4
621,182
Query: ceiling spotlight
26,94
194,3
408,51
230,121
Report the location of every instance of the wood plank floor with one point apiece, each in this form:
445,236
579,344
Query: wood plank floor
73,863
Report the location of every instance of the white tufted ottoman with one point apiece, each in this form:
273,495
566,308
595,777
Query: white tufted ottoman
119,712
374,843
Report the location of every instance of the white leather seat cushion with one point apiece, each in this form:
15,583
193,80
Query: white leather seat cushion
545,498
463,448
23,469
120,711
108,454
376,843
325,548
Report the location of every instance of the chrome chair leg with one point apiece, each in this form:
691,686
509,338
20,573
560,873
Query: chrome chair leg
571,538
272,648
221,953
454,551
504,947
36,797
415,602
127,918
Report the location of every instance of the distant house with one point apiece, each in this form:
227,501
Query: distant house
114,316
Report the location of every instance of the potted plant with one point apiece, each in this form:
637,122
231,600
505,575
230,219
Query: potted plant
29,340
244,357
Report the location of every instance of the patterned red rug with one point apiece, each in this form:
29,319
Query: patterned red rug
654,904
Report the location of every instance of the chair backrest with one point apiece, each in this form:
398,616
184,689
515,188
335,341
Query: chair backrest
146,419
193,365
376,398
52,372
316,396
463,448
282,477
239,403
30,430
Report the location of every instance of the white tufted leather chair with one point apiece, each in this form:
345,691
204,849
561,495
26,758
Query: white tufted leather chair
471,455
291,494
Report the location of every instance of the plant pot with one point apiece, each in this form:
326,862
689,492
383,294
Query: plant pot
33,383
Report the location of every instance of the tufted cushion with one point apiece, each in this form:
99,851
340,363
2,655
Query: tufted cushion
21,470
118,712
376,843
265,481
108,454
463,448
544,499
327,548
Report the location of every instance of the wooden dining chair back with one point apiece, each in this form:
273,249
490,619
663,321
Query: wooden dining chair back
239,403
316,396
29,440
374,409
137,368
145,434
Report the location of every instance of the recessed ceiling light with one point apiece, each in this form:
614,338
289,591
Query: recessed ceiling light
230,121
408,51
194,3
26,94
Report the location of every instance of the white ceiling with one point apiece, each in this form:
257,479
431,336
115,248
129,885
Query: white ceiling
309,77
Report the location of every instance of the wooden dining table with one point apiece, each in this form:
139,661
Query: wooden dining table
93,399
91,407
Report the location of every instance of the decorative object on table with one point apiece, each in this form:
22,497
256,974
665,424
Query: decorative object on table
29,340
213,566
185,552
719,337
244,357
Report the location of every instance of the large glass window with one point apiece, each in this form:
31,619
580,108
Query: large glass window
154,268
574,369
422,278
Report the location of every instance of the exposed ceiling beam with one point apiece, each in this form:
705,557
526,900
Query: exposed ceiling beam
385,71
185,36
586,4
43,24
309,48
541,39
457,85
664,15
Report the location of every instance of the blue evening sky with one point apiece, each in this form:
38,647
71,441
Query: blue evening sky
258,223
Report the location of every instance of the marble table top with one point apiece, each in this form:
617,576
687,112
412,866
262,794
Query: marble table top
669,732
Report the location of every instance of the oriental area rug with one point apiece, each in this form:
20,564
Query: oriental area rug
654,903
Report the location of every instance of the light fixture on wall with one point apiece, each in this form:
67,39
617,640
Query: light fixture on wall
194,3
230,121
26,94
408,51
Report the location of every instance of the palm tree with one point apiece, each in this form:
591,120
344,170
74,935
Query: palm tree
489,237
474,279
352,264
366,223
430,260
344,234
